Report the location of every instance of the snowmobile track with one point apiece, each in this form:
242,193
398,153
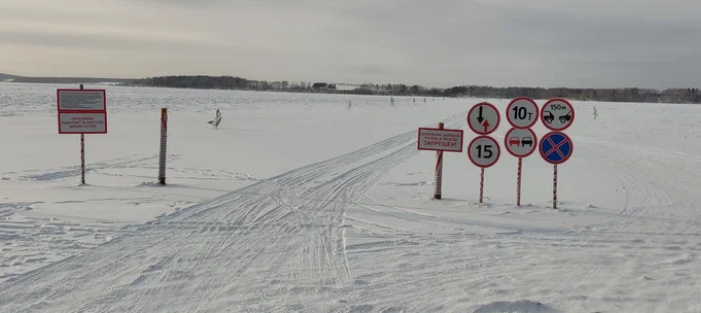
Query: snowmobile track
281,238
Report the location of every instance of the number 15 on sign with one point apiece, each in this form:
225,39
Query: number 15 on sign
484,152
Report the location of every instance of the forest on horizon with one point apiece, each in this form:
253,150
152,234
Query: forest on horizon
671,95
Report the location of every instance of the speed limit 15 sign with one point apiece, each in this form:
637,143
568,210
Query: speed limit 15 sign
484,151
522,113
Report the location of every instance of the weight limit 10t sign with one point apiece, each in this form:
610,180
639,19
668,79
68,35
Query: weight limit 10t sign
522,113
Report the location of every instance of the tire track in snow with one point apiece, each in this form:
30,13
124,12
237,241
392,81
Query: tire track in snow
591,264
213,256
663,187
74,171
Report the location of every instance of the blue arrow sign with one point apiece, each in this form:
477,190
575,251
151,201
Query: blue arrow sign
556,147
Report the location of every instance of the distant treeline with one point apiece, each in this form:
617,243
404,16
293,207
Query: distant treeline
678,95
63,80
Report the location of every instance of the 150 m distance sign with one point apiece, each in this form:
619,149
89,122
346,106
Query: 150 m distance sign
557,114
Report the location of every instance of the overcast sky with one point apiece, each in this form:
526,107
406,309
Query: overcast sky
585,43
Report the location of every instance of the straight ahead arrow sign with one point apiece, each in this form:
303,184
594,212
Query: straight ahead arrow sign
483,118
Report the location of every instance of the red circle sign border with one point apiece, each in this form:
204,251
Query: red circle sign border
535,144
540,150
535,120
542,110
481,137
475,107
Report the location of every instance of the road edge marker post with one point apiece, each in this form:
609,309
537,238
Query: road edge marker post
440,140
163,147
438,190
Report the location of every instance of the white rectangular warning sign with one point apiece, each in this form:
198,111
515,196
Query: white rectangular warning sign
449,140
82,123
81,100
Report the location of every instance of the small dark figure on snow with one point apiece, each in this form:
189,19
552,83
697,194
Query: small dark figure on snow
215,122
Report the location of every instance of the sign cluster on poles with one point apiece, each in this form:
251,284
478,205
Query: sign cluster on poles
82,111
556,147
483,151
520,140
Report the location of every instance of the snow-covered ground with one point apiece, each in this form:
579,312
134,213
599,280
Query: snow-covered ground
297,203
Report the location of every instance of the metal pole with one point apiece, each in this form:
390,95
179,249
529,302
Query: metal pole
82,159
555,186
164,141
482,185
439,171
518,183
82,154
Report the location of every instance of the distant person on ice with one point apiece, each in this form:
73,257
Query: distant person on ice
217,119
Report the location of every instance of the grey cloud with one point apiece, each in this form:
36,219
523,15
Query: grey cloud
97,42
595,43
500,44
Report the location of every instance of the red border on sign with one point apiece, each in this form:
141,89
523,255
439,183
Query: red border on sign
475,107
496,143
506,143
542,117
540,149
104,100
83,112
462,136
59,111
508,108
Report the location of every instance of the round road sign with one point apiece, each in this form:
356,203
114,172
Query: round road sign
483,118
556,147
484,151
520,142
557,114
522,113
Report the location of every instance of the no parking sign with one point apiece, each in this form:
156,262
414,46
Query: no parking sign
556,147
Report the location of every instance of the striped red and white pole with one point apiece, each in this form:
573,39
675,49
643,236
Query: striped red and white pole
438,172
82,159
164,141
82,154
482,186
555,186
518,183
